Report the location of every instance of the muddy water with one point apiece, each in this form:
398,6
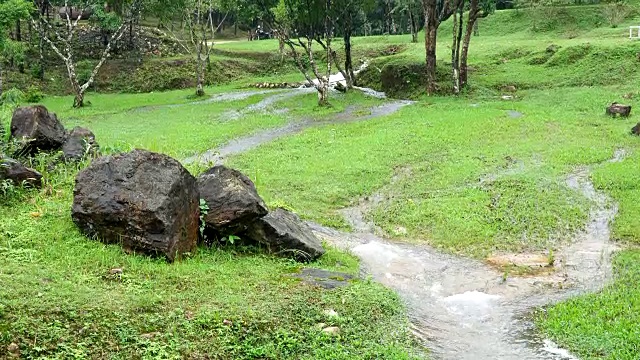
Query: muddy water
464,309
243,144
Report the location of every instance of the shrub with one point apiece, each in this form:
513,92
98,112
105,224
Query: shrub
33,95
616,12
12,97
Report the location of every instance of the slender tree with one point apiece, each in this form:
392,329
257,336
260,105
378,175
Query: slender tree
66,53
460,46
300,24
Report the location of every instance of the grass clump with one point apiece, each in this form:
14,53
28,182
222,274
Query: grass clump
602,325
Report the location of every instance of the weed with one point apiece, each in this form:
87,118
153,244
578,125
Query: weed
204,210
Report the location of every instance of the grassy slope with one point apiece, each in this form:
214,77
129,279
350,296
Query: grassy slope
57,299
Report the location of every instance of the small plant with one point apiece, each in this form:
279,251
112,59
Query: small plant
204,210
7,188
231,239
12,96
551,259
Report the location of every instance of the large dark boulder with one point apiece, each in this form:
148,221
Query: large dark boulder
145,201
232,199
19,174
80,143
39,129
285,234
636,129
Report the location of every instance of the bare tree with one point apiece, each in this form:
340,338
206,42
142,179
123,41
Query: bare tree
66,41
202,42
309,23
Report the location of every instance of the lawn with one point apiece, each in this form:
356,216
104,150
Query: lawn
472,175
59,300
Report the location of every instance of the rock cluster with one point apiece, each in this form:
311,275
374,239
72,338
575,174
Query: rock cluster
284,85
34,129
149,203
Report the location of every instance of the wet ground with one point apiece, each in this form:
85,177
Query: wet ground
240,145
466,309
460,308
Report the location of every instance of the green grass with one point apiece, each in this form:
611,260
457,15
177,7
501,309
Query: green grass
457,172
448,147
603,325
221,303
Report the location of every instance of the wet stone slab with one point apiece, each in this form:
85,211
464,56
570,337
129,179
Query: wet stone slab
323,278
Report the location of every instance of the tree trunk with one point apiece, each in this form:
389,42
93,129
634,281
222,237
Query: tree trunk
323,93
1,85
413,25
78,100
323,96
471,26
18,31
200,72
350,76
430,37
281,47
455,48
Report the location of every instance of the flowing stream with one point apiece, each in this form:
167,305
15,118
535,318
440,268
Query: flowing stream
465,309
460,308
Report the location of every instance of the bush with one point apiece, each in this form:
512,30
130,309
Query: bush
33,94
12,97
615,13
83,71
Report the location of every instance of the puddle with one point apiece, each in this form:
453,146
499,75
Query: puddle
514,114
465,309
323,278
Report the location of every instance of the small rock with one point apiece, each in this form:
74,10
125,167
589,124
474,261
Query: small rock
330,313
507,97
618,109
331,330
285,234
400,230
636,129
189,315
150,335
340,87
509,88
226,322
13,348
321,326
80,143
115,271
39,129
514,114
19,174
